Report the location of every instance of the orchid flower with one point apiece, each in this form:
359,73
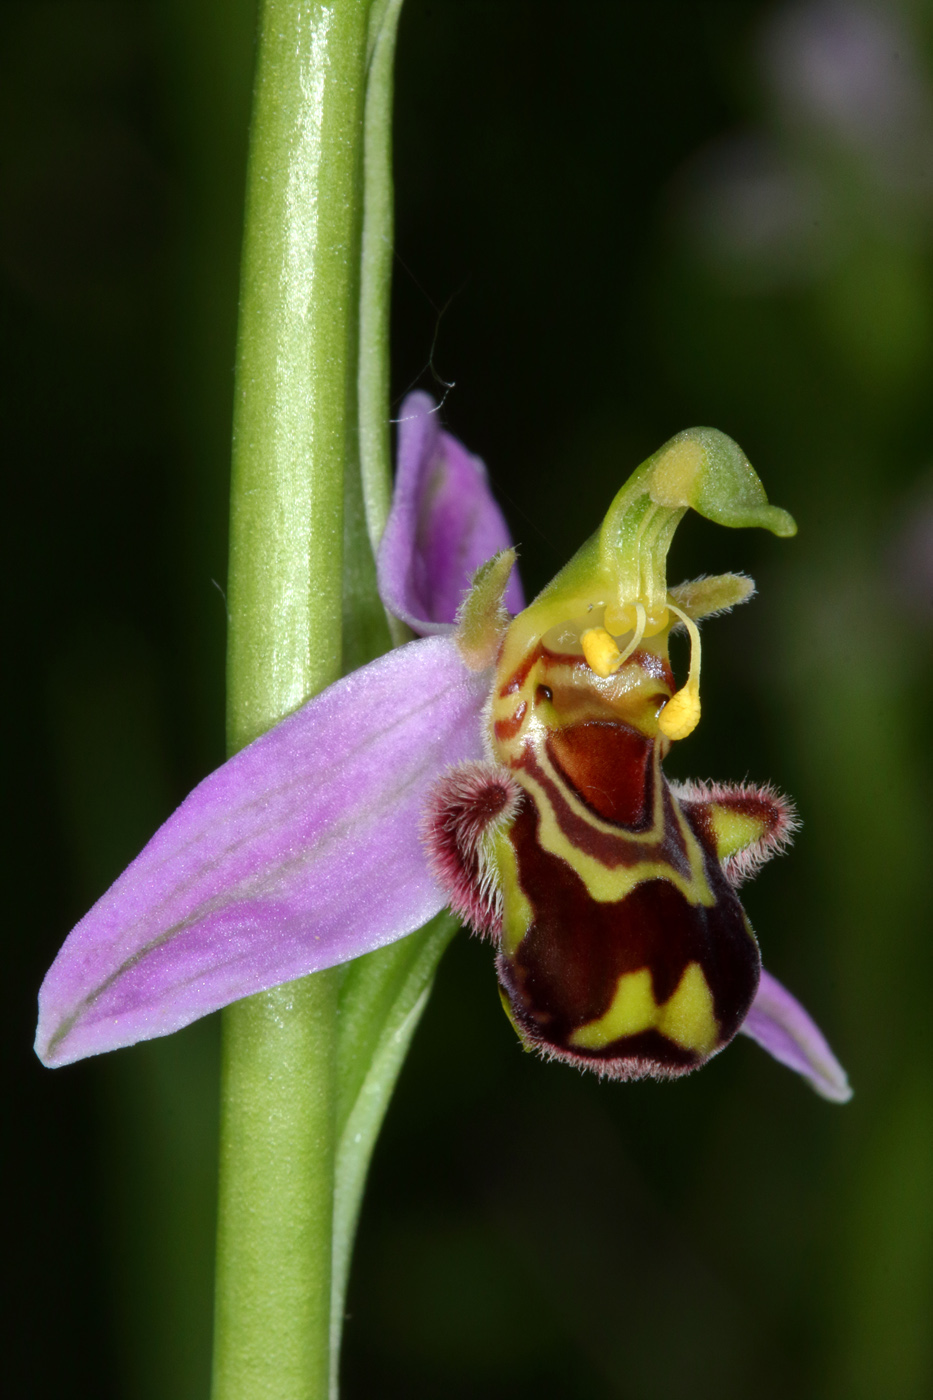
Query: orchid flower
509,766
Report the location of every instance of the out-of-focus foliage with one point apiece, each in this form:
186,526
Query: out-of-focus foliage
614,221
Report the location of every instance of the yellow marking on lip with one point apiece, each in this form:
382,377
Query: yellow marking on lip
687,1017
734,831
633,1009
606,885
517,914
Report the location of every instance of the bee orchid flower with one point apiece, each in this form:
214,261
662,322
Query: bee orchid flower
507,763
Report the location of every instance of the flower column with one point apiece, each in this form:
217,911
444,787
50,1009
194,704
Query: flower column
295,418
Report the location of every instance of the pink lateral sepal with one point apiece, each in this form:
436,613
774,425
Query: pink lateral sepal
788,1032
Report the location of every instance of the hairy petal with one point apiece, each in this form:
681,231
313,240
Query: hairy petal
781,1026
443,525
299,853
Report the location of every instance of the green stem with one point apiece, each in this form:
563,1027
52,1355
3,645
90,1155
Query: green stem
294,416
296,359
276,1194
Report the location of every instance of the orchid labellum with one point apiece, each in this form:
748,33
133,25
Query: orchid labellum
509,766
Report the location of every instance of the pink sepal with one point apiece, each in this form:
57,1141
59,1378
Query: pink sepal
780,1025
299,853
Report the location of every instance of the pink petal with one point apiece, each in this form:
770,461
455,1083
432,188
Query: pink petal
302,852
443,524
781,1026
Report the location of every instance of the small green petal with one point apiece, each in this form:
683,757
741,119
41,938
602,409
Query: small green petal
705,597
482,617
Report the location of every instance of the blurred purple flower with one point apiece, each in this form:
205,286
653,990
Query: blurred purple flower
845,154
850,70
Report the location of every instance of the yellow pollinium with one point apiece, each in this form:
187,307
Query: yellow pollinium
602,654
599,645
687,1017
681,714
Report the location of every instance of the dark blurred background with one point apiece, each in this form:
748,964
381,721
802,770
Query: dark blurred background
614,221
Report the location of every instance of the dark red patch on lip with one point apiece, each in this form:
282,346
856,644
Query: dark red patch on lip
507,728
566,969
521,674
611,848
607,766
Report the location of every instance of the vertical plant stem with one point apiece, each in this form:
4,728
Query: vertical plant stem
296,359
294,412
376,270
276,1194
